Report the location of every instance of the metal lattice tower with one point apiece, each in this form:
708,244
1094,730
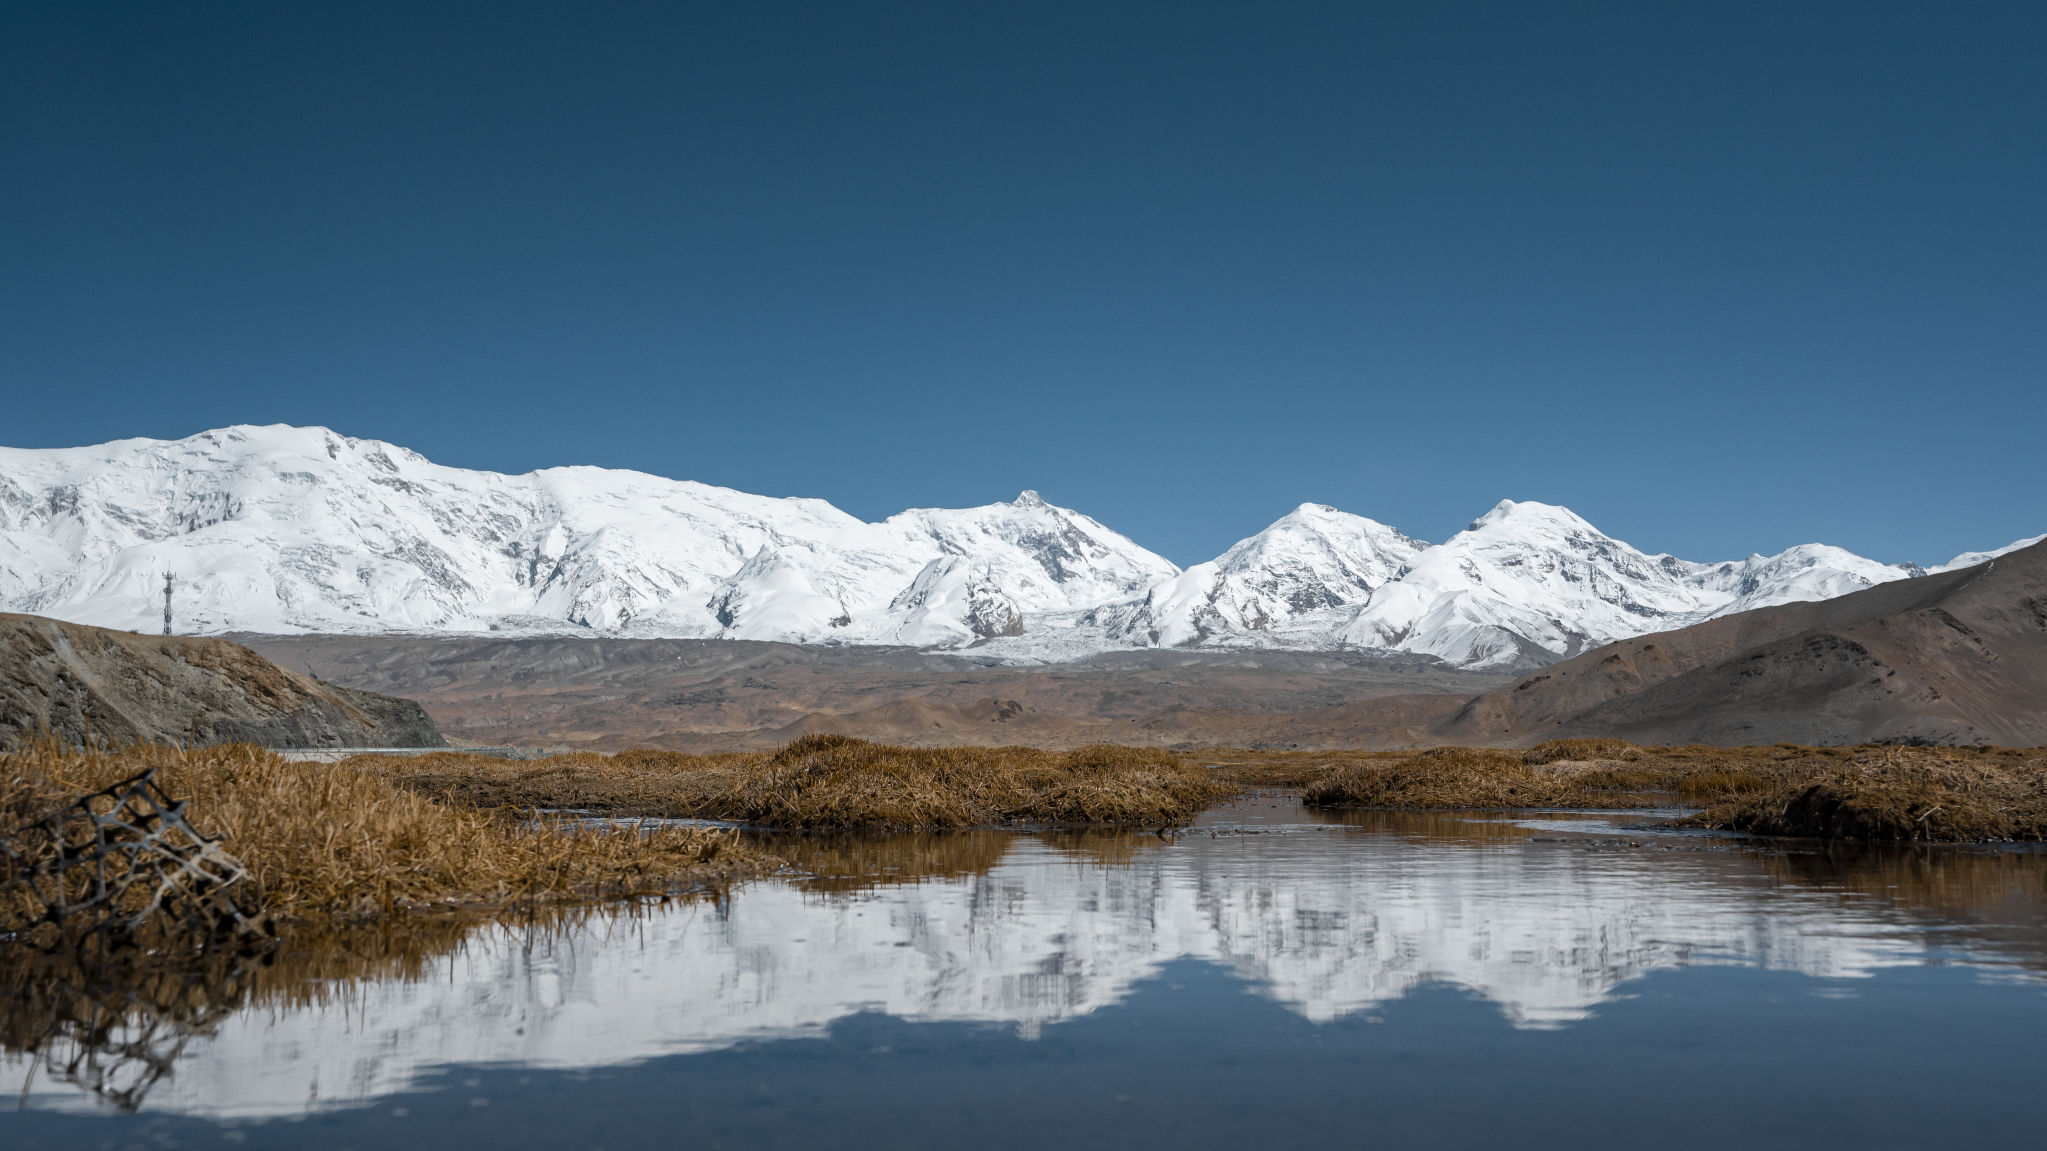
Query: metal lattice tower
167,603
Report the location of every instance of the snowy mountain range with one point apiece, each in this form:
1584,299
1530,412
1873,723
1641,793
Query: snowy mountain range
282,529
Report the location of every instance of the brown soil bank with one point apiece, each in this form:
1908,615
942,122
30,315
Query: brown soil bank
1869,793
1956,658
94,686
831,781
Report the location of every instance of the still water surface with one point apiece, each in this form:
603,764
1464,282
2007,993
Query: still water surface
1270,978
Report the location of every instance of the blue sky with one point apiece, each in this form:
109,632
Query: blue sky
1721,277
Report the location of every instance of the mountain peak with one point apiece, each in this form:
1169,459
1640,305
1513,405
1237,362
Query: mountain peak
1028,499
1500,513
1531,512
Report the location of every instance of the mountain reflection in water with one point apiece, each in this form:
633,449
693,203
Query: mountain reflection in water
1328,918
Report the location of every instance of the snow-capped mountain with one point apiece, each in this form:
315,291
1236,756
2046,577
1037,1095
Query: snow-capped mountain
1530,582
277,529
281,529
1313,559
1971,559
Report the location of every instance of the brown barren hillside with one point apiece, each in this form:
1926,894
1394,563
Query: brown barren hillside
90,685
1955,658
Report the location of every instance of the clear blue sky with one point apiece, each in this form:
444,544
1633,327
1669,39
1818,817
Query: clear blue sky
1721,277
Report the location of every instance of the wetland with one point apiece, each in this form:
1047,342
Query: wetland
1267,971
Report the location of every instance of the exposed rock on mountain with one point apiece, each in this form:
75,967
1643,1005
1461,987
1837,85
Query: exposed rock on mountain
951,602
1959,656
91,685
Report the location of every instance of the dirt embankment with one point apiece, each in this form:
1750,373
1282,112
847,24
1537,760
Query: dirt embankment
95,686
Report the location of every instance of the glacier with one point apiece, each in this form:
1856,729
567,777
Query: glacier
282,529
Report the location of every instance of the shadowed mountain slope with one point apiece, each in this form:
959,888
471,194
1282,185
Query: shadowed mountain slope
94,685
1956,657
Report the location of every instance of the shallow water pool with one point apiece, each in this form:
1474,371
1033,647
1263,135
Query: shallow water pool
1268,977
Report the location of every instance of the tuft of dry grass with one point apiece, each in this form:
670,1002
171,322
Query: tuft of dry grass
825,782
348,841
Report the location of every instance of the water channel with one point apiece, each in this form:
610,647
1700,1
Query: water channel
1270,976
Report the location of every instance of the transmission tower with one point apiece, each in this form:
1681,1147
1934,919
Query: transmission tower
167,603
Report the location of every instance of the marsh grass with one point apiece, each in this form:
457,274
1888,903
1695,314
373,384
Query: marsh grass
348,841
1934,795
1868,793
1460,777
830,782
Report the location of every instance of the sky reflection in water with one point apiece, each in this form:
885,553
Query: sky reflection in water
1268,972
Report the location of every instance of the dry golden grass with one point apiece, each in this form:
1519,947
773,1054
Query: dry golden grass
1933,794
825,782
1462,777
1265,768
348,841
629,784
1899,794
